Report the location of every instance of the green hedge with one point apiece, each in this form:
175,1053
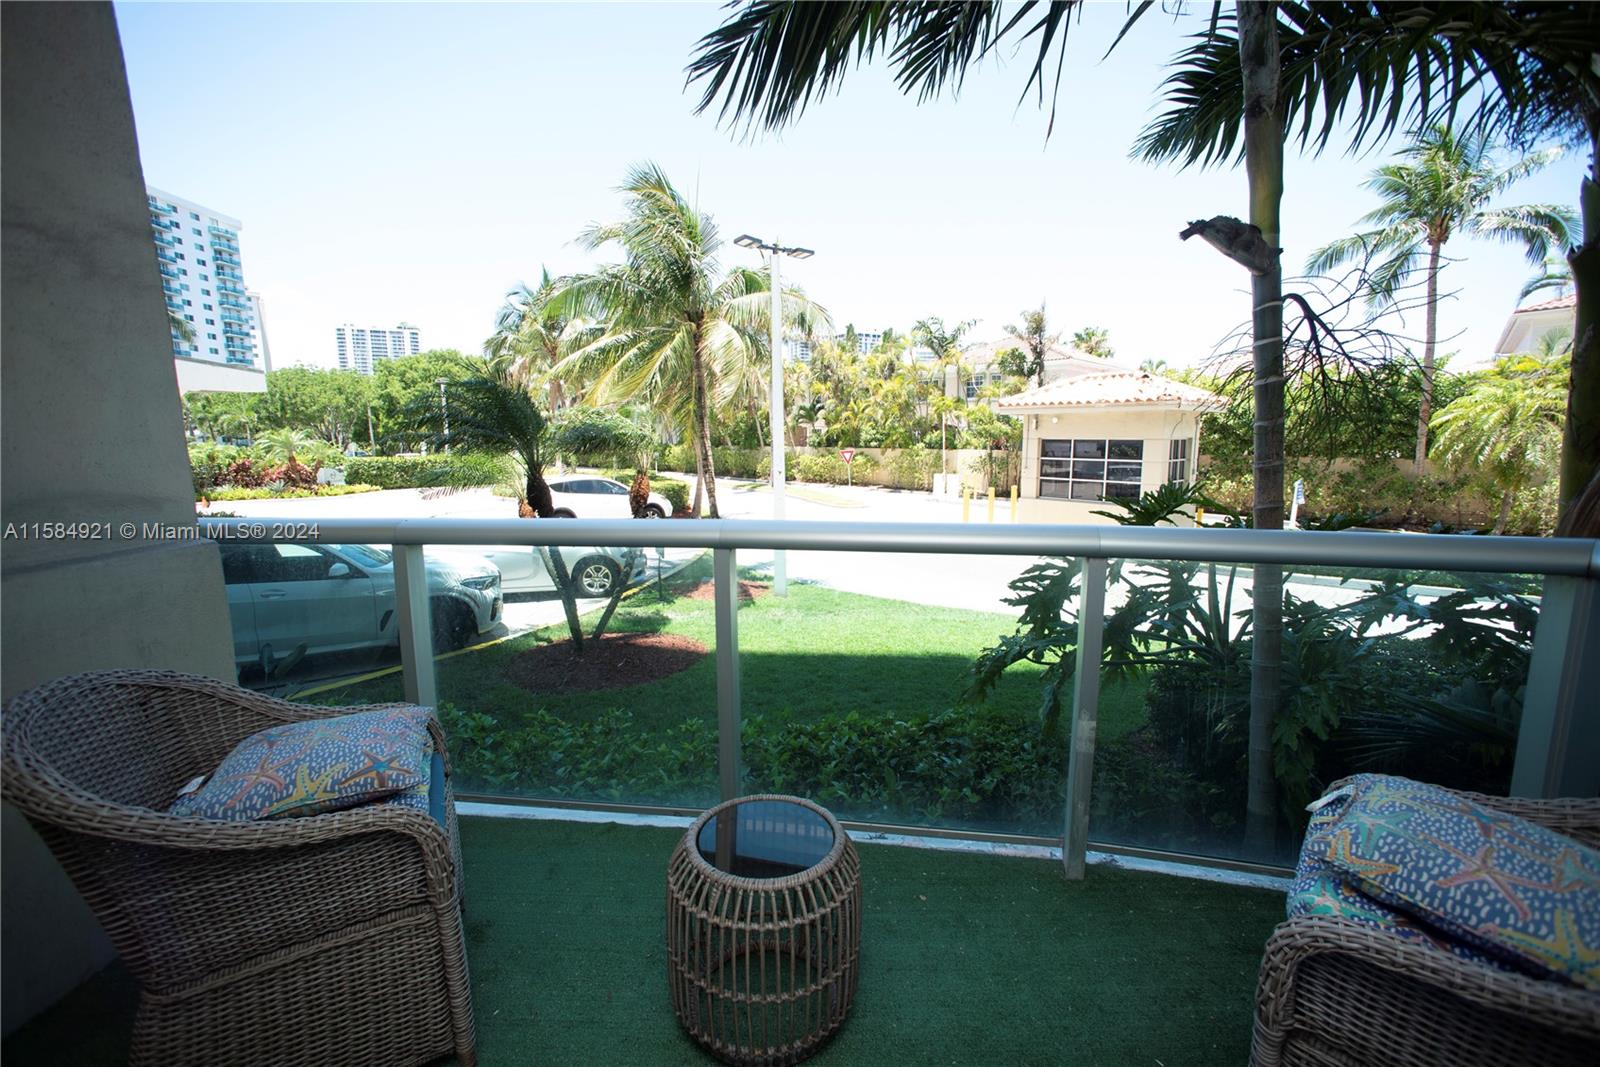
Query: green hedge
730,462
952,766
417,472
238,493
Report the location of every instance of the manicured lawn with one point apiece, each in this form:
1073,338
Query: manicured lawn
817,652
849,699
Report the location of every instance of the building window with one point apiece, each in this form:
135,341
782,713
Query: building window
189,318
211,337
178,254
1178,462
213,351
213,322
196,218
197,233
207,278
201,262
205,292
208,307
1092,469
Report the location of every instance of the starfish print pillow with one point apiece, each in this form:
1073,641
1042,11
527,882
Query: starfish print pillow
306,768
1504,886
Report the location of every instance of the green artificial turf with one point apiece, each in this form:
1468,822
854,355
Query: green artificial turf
817,652
966,959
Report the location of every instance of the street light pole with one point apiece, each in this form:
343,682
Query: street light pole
780,576
780,569
444,409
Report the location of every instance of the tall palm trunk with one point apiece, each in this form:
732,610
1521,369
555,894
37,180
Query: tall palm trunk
1263,147
702,430
1580,447
1430,338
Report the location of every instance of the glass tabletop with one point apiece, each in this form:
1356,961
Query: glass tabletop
765,839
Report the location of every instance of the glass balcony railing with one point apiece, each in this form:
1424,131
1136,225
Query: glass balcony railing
233,276
230,289
948,679
163,239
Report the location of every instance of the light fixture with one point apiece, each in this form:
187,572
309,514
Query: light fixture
745,240
800,253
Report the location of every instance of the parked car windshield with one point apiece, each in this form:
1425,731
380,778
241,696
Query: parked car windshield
367,555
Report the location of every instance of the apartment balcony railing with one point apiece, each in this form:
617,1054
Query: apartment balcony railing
233,276
231,289
1539,595
162,239
162,207
166,269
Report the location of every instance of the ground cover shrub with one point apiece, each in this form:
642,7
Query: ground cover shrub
232,492
414,472
948,767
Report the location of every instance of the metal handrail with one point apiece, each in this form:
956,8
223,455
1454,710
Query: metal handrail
1571,557
1558,731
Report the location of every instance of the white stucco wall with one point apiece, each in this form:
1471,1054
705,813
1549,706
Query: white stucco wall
1156,427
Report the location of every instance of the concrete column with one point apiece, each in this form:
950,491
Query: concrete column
91,431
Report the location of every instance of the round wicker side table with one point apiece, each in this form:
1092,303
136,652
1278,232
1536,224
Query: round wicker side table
763,929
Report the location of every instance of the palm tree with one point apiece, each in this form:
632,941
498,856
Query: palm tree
1555,272
533,338
181,327
944,341
491,414
284,445
1444,187
678,331
1094,341
1036,339
1507,427
1154,366
1258,74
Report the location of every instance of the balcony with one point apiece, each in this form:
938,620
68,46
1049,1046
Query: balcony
230,275
838,691
573,912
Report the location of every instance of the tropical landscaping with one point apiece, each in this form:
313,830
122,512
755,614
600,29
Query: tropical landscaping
1236,697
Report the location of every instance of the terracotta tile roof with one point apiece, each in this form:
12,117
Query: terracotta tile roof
1568,301
1116,387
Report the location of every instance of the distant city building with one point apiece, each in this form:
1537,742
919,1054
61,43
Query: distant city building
202,277
866,340
798,350
362,349
261,323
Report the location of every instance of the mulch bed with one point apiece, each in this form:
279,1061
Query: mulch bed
748,591
615,661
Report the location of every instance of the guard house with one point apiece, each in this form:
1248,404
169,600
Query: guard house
1107,434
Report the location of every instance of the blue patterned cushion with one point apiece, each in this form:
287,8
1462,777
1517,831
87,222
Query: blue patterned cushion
306,768
1317,889
1498,884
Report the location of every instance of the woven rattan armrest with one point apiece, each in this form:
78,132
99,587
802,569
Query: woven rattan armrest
1575,817
1297,940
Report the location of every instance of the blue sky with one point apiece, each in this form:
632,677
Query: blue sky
413,161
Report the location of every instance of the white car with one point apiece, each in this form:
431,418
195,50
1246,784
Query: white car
287,599
595,570
589,496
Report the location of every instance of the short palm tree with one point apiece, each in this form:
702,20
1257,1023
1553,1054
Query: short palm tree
284,445
1443,187
679,332
1555,272
1507,427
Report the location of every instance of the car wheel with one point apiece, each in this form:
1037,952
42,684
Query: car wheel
453,625
562,513
595,576
653,511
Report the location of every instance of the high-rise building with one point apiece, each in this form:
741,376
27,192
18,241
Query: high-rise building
214,320
361,348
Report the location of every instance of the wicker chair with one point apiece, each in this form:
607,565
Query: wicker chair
1333,993
334,938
